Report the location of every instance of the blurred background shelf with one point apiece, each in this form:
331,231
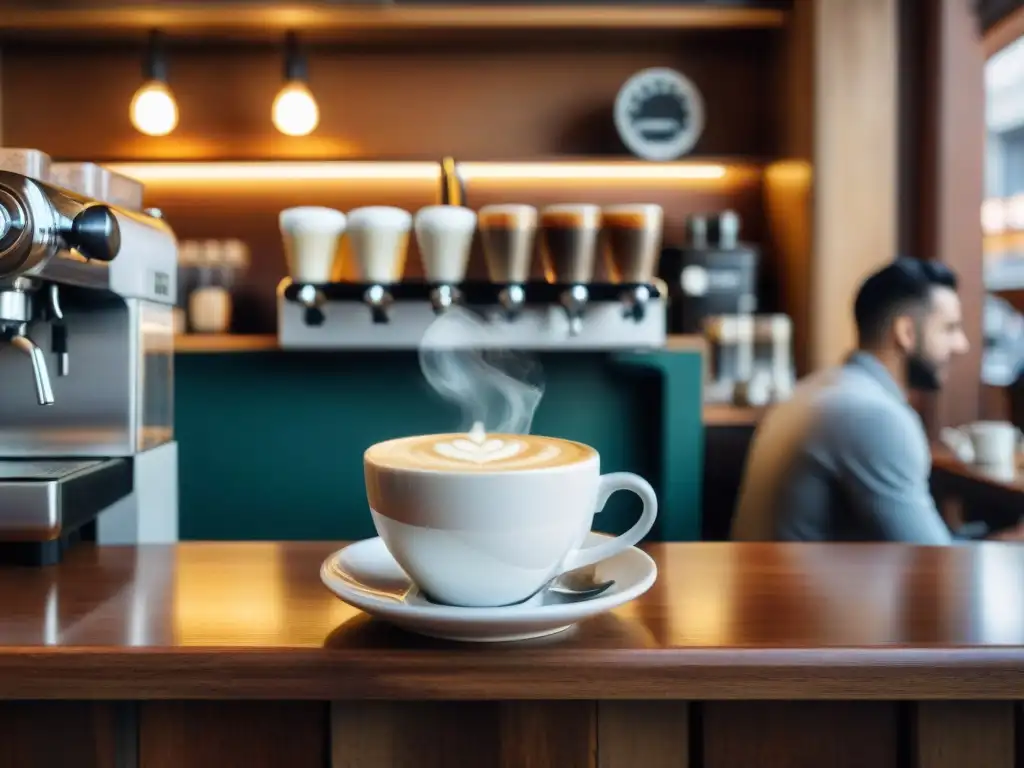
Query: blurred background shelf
224,342
256,342
253,21
728,415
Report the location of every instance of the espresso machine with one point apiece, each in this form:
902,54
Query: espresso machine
86,421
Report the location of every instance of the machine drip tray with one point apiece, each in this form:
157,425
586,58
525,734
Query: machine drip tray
47,505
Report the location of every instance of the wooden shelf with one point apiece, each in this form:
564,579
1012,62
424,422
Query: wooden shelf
246,21
686,342
223,342
726,415
228,342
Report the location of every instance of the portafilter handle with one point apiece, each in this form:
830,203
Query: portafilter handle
95,233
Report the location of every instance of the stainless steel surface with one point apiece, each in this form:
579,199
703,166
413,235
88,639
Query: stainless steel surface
443,297
58,331
379,300
578,592
15,306
44,392
118,399
5,222
311,297
348,325
635,302
58,236
512,298
574,301
16,229
107,277
39,500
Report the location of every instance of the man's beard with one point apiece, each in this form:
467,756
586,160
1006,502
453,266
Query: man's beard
922,375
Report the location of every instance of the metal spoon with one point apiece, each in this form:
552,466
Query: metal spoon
579,584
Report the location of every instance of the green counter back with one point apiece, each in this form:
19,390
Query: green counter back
271,443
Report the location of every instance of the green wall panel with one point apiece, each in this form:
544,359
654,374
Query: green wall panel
271,443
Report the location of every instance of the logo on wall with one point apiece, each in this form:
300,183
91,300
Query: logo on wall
659,114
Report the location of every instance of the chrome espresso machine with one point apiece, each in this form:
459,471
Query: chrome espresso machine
87,447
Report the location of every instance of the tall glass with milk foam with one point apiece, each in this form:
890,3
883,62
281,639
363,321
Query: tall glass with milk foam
444,234
378,237
311,235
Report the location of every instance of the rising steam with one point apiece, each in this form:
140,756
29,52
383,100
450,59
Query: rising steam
498,390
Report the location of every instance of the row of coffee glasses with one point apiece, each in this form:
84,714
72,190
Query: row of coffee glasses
375,240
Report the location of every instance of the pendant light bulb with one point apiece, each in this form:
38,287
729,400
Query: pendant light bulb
153,110
295,111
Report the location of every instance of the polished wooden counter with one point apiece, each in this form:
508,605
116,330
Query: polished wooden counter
726,628
723,621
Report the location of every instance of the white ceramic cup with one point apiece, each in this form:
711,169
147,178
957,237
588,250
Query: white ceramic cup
444,234
493,538
311,235
992,444
379,238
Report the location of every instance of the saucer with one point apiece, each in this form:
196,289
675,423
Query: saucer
366,576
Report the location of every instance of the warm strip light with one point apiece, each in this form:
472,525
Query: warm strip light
275,171
561,171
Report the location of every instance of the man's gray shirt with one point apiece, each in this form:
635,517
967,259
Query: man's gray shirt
846,459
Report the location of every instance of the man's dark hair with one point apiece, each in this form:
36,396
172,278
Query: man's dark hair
904,285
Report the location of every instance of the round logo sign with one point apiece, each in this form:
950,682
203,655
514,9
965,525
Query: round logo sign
659,114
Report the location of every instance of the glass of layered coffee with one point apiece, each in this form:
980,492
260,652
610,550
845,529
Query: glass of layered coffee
507,234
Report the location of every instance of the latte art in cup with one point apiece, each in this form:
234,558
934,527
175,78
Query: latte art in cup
485,520
476,452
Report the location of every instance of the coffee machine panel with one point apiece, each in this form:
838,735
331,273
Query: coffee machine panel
713,274
86,348
563,311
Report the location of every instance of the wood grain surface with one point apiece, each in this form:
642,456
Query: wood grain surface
330,21
724,621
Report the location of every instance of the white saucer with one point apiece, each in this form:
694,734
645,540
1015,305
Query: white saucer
366,576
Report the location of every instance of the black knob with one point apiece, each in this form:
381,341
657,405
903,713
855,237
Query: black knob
95,233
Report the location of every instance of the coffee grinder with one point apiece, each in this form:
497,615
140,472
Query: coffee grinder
88,444
714,273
